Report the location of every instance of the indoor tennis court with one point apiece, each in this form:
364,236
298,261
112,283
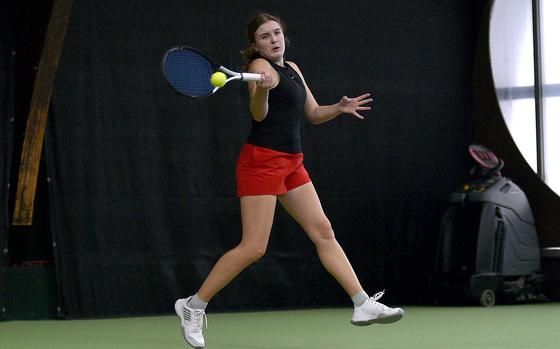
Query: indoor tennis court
524,326
279,174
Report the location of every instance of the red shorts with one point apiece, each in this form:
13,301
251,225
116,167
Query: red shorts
263,171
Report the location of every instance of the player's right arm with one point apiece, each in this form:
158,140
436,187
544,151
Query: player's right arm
258,91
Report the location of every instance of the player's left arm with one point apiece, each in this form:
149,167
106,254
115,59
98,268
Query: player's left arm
318,114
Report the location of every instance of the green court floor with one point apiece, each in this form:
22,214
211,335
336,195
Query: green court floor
515,326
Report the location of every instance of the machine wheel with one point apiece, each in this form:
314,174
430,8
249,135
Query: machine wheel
488,298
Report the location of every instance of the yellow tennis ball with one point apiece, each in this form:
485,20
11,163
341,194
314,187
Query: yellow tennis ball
218,79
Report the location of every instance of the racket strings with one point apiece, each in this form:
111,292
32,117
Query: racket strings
189,72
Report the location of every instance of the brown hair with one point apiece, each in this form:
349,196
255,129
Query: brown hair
251,53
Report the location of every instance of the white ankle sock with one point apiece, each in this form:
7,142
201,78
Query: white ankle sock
359,298
197,303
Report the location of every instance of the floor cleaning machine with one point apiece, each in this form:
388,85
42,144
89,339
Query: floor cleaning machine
488,249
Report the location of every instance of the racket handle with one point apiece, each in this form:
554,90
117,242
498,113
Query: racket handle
250,77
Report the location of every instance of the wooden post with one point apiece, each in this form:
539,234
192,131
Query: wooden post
38,111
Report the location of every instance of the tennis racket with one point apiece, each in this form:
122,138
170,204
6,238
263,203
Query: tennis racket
189,70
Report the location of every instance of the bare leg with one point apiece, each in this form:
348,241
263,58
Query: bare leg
257,215
304,206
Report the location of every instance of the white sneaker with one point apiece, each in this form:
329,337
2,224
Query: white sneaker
372,311
192,321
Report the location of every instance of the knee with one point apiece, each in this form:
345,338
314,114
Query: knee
253,253
322,232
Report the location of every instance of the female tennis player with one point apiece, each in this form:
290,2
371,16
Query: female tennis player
270,169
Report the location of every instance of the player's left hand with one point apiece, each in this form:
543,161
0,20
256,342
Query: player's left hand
353,105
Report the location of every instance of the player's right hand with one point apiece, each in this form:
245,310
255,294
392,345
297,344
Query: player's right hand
267,81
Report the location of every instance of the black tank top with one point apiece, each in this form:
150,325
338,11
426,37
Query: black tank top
280,130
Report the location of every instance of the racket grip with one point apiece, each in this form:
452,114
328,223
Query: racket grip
250,77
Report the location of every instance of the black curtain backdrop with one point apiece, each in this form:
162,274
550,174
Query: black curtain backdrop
7,63
143,180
